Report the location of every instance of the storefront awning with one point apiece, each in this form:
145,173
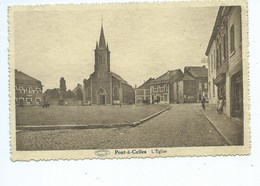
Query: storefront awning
220,79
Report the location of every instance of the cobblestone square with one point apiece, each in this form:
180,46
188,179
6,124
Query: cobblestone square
182,126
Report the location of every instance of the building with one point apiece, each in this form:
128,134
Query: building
212,88
200,74
142,93
185,89
103,86
226,43
162,89
28,90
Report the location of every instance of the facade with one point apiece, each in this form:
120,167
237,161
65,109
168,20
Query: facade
185,89
103,86
212,88
200,75
28,90
226,41
142,93
162,89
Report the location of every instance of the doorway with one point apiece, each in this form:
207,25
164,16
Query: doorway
102,100
237,95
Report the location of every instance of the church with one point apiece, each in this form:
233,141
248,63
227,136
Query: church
103,86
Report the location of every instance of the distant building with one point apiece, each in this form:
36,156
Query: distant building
185,89
78,92
103,86
224,53
28,90
200,74
162,89
142,93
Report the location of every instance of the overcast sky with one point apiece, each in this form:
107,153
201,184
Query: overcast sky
145,41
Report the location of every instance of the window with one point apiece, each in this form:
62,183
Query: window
166,87
210,66
29,101
209,91
161,88
155,88
165,97
232,39
38,101
225,47
214,57
200,86
205,85
99,58
212,63
213,88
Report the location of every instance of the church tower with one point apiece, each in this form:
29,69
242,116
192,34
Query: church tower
102,54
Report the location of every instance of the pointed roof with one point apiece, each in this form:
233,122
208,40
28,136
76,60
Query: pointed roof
185,77
102,41
146,85
197,71
22,78
165,78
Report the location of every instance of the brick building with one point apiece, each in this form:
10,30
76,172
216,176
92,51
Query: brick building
185,89
103,86
142,93
28,90
225,61
200,74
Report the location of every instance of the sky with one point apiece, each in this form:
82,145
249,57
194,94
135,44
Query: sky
145,41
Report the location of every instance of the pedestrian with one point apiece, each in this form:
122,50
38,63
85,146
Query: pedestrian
220,105
203,102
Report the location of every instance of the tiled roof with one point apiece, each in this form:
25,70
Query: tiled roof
197,71
22,78
146,85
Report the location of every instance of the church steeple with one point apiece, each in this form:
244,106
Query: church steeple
102,53
102,41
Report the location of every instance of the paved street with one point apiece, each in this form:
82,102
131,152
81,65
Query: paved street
182,126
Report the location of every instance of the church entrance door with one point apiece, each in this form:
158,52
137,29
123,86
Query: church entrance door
102,100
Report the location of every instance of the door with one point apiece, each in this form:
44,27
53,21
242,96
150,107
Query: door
102,99
237,93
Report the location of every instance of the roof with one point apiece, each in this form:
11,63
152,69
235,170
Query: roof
166,76
196,71
22,78
119,78
185,77
79,86
146,85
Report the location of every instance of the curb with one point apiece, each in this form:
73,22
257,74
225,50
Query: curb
217,129
88,126
150,117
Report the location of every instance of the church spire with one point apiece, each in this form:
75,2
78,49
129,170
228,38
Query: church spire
102,42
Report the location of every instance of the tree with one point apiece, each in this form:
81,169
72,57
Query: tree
63,87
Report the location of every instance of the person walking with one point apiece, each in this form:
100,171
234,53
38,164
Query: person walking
203,102
220,105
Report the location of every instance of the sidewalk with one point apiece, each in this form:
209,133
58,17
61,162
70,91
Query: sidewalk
230,129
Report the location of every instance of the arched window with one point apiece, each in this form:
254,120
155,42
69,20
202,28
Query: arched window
116,93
